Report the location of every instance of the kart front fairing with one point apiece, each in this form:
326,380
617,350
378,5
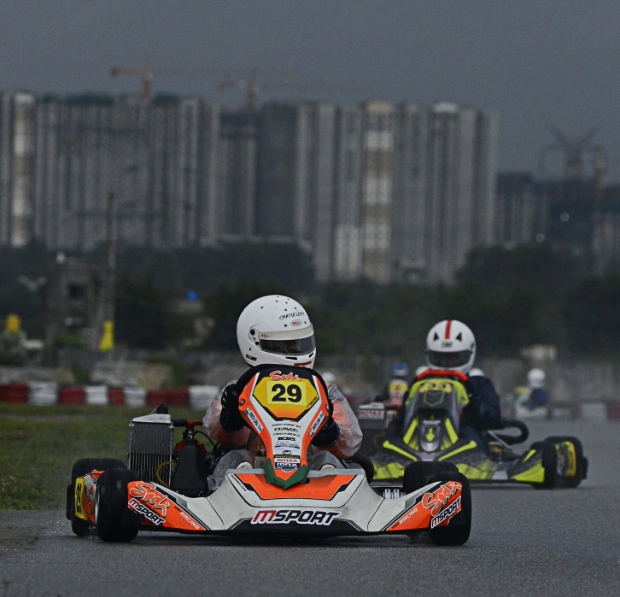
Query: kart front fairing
329,503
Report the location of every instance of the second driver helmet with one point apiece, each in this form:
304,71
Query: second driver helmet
276,330
451,345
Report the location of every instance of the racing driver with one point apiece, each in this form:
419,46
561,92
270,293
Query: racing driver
451,346
266,336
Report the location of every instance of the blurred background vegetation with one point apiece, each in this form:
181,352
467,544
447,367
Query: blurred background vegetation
510,298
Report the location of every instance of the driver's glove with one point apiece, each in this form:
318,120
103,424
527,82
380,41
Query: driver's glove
230,417
328,435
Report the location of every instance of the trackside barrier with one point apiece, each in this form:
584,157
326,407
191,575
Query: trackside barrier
96,395
169,397
43,393
13,392
201,396
135,397
613,410
116,397
71,395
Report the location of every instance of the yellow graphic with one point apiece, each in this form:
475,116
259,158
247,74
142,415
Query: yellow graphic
434,391
107,340
279,392
79,496
13,323
430,434
286,398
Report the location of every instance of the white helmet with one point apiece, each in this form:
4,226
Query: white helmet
276,330
451,345
536,378
328,377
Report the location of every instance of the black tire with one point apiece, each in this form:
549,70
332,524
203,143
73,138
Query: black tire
82,467
549,464
362,460
459,528
417,474
582,461
112,504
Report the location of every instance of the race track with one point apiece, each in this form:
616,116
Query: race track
523,542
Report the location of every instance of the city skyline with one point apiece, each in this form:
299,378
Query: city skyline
535,64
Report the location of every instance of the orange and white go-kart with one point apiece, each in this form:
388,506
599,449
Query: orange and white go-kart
164,488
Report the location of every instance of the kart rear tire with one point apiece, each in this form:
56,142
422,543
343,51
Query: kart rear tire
364,461
549,464
112,504
417,474
582,461
459,528
81,527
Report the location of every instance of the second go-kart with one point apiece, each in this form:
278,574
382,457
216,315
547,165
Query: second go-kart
434,405
165,489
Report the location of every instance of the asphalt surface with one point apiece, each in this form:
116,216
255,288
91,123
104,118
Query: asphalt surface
523,542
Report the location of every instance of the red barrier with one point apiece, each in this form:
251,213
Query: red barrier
116,396
13,392
155,397
613,410
178,397
169,397
72,395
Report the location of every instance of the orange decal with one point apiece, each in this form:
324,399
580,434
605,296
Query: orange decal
157,509
149,493
437,500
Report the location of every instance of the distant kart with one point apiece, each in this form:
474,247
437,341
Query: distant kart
165,488
431,434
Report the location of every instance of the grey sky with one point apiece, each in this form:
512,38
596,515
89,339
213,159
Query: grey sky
535,62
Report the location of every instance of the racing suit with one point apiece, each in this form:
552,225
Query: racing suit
346,443
482,412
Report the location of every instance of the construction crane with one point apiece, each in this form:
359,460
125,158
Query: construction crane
574,149
252,87
147,73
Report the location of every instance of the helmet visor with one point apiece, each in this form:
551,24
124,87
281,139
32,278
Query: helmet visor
293,346
448,360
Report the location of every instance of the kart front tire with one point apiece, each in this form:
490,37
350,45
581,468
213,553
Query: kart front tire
417,474
112,504
549,460
82,467
582,461
459,528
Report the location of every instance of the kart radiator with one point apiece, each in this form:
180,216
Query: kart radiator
150,445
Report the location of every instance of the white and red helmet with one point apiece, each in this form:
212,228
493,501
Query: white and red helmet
276,330
451,345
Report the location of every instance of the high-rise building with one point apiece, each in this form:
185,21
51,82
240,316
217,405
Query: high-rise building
409,193
347,258
460,187
237,164
17,162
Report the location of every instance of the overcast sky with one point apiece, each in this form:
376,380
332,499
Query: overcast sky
535,62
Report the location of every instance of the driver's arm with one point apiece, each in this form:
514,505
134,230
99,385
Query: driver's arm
213,427
349,437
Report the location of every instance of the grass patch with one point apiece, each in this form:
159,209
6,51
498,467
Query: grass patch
39,444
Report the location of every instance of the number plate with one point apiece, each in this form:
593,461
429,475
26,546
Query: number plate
287,392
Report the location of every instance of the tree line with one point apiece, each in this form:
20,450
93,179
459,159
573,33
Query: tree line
510,298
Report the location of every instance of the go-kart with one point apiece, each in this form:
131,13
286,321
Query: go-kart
432,417
165,488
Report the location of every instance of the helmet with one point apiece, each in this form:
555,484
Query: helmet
451,345
420,369
475,372
400,370
536,378
276,330
328,377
